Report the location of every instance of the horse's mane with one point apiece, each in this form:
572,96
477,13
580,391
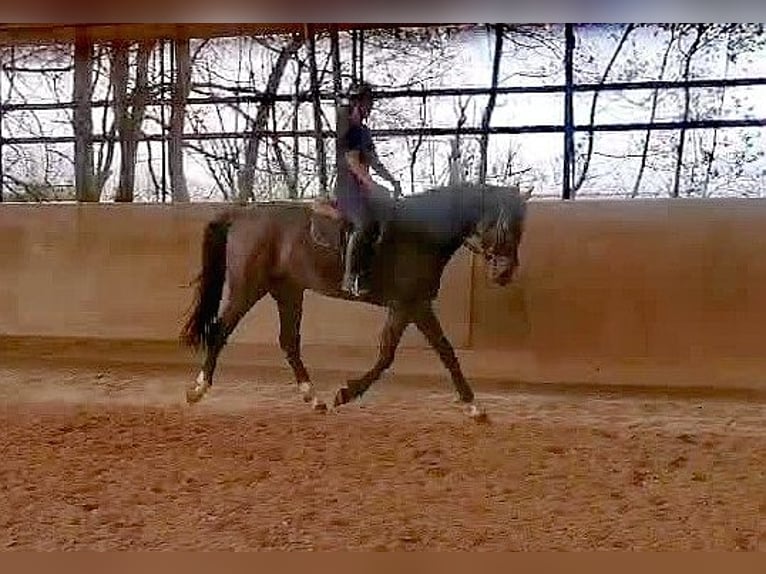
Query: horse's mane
454,188
450,190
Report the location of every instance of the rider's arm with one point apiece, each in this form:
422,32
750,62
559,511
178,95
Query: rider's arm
381,170
355,166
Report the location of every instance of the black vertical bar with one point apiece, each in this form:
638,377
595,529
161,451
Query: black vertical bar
2,173
353,55
83,116
163,126
341,108
320,150
335,53
296,137
361,55
569,40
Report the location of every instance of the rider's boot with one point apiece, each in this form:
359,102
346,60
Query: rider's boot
353,280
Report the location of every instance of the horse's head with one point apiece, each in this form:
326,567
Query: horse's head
499,230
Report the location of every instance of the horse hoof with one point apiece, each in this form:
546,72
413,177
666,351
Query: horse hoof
477,413
319,406
307,392
193,395
195,392
463,400
342,397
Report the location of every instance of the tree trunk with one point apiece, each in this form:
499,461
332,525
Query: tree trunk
321,160
455,165
296,139
117,85
130,118
292,193
83,120
711,155
687,104
652,115
422,113
180,93
341,111
120,73
586,165
485,120
247,174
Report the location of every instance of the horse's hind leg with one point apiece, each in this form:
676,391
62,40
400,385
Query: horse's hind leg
236,303
290,307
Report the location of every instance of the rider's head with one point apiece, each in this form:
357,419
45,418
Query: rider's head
360,98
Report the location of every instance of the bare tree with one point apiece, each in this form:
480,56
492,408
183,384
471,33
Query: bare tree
179,95
487,116
319,140
414,147
83,122
259,124
589,154
341,111
129,110
456,175
653,113
295,175
699,30
710,154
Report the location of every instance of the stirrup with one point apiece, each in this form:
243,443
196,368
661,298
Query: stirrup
360,287
355,287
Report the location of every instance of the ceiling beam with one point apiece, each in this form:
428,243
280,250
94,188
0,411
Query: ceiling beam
20,34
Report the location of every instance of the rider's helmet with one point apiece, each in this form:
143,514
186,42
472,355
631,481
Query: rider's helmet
360,92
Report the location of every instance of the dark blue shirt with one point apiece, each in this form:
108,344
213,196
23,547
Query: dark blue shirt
351,200
358,138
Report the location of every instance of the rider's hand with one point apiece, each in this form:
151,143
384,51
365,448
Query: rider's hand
368,186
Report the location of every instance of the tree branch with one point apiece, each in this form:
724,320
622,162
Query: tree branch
583,174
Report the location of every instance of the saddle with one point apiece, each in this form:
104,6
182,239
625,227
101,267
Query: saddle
330,230
328,227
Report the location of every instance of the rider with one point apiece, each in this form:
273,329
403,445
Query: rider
358,197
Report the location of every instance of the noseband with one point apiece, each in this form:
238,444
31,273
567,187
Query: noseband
501,232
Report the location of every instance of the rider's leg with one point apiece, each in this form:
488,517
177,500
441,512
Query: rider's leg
357,250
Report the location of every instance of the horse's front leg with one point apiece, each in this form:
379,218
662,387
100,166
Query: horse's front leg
396,322
428,324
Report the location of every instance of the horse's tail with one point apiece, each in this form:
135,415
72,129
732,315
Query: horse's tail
198,328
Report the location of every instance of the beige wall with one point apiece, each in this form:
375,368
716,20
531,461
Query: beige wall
669,280
121,271
674,280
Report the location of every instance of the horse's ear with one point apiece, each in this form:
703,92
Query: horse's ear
528,193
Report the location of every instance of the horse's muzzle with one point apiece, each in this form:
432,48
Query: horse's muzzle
502,279
501,270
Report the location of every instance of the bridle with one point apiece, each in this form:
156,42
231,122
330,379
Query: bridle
501,231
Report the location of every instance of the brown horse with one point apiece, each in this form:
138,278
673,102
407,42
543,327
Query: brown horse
278,249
